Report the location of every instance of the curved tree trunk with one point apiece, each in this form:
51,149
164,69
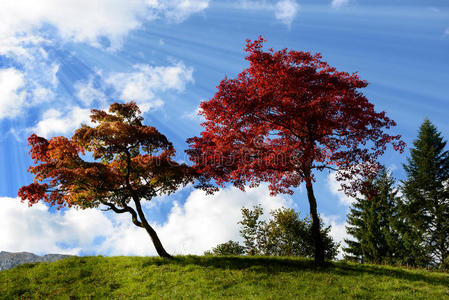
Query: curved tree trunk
156,241
316,233
151,232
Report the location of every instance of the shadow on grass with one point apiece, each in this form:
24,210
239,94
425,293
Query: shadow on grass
269,264
261,264
345,269
275,265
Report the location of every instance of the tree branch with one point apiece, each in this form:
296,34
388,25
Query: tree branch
114,208
125,208
324,167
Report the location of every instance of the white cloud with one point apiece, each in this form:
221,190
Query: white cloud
29,26
334,187
446,32
286,11
55,122
88,94
89,21
337,232
339,3
18,47
179,10
199,224
142,84
205,221
12,93
37,79
194,115
37,230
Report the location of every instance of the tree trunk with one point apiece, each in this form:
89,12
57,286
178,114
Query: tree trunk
156,241
316,233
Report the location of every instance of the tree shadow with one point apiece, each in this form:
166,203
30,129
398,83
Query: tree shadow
270,264
273,265
434,278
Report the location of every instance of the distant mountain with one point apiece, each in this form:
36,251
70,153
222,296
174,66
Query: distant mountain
11,259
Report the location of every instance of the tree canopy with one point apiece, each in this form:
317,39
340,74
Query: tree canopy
373,223
426,191
285,116
284,234
131,162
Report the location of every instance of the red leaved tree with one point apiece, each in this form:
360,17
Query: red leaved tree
133,162
286,116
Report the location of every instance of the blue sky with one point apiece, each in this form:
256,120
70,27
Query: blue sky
59,59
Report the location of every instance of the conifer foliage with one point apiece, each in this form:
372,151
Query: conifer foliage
373,223
426,191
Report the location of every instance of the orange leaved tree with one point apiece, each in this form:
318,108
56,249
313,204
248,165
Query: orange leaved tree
132,162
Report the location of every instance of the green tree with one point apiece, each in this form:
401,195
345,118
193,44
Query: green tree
426,203
228,248
284,234
373,223
252,230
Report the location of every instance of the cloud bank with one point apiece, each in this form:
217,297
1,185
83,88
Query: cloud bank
39,231
12,93
29,28
145,81
88,21
199,224
143,84
55,122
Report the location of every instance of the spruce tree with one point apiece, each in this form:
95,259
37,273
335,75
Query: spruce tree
373,220
426,203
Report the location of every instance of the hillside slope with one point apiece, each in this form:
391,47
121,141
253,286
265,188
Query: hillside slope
213,277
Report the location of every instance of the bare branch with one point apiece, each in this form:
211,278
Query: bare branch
125,208
320,167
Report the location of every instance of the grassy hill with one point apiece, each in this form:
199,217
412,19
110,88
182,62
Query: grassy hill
214,277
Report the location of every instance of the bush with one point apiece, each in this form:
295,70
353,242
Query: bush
445,264
228,248
285,234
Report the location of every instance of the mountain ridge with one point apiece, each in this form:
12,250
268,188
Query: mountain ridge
9,260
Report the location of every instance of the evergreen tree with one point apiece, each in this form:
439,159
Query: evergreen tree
373,223
426,203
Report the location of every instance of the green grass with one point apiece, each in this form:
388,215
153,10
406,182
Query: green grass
207,277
